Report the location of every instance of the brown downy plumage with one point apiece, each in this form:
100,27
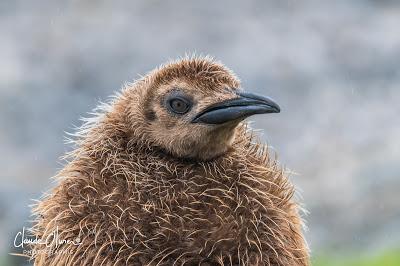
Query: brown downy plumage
167,174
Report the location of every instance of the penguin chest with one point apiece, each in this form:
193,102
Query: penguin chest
201,216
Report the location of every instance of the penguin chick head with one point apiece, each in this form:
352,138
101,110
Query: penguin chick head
191,108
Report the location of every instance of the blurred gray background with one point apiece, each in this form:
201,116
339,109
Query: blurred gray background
334,67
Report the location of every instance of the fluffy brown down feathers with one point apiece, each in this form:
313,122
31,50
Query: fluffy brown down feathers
132,195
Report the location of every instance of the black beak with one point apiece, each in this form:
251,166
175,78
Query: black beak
245,105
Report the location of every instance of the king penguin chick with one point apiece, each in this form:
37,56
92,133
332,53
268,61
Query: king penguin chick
169,174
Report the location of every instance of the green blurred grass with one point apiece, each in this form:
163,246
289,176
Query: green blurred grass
386,258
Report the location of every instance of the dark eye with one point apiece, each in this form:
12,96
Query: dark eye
179,105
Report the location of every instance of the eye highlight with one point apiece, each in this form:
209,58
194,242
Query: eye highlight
179,105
